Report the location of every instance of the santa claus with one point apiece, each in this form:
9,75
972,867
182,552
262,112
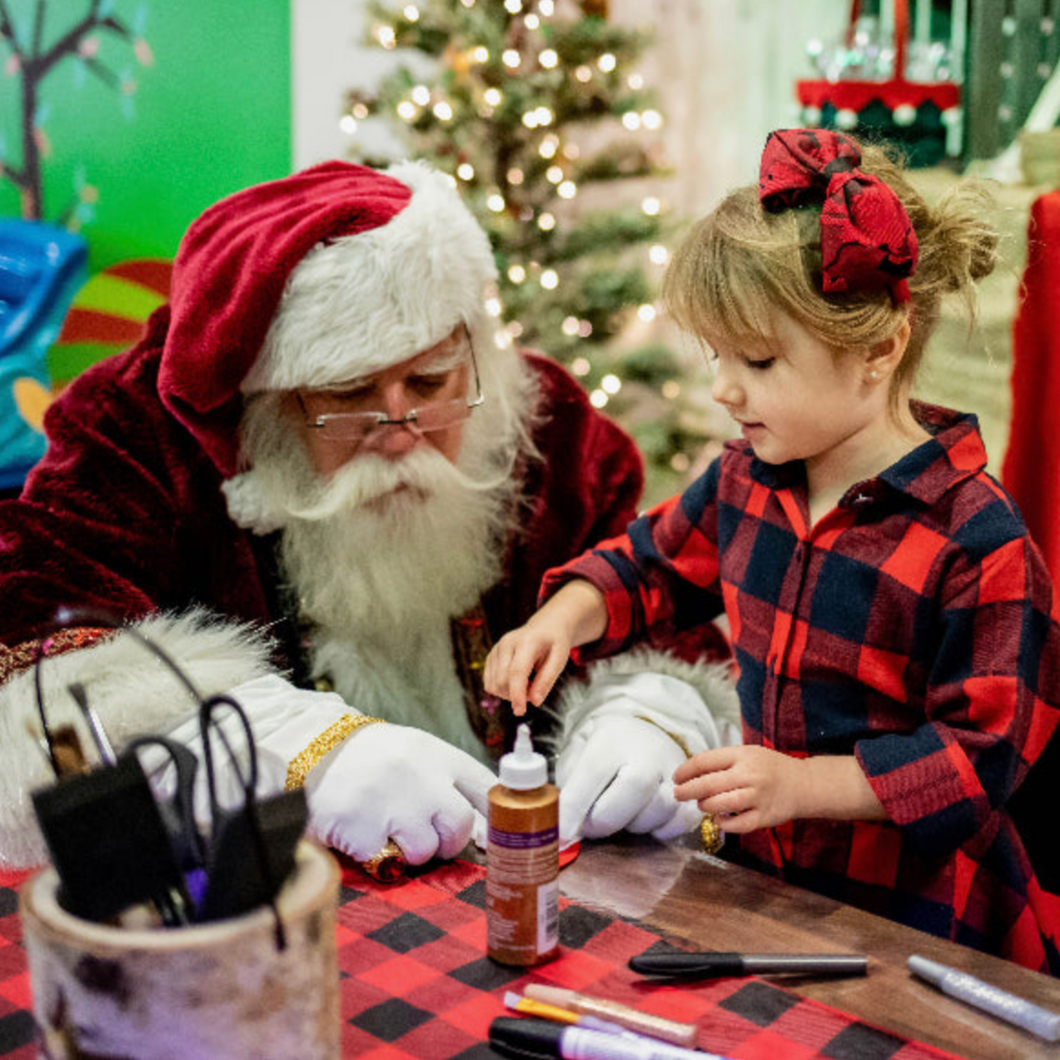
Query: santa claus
323,486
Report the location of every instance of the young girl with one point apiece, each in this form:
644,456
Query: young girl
892,623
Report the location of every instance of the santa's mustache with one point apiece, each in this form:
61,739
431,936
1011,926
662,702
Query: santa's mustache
369,481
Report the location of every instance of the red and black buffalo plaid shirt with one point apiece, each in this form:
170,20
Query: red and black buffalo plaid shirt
912,626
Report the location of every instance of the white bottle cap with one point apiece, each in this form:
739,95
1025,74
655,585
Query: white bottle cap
523,768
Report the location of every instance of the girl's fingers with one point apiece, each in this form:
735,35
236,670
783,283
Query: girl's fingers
705,763
547,674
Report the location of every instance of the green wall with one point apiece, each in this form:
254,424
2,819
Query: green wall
211,114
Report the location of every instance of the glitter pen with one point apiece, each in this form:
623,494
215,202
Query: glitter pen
992,999
529,1007
614,1012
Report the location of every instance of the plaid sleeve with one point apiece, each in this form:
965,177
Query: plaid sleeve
661,576
991,700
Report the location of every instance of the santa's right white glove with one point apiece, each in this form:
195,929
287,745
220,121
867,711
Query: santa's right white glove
620,744
617,775
396,782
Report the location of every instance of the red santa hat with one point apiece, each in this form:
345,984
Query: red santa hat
314,279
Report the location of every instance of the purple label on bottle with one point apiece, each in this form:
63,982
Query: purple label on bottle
524,840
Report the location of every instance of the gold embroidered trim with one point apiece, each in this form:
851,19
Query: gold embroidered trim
330,738
21,657
679,740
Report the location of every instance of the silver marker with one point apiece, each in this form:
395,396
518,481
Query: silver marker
992,999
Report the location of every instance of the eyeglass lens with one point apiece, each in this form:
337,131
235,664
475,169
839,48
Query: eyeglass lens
352,426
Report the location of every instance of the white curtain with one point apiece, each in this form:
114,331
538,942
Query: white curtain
726,71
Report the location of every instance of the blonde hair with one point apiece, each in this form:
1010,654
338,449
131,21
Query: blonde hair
741,263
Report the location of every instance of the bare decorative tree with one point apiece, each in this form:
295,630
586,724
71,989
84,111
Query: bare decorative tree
32,59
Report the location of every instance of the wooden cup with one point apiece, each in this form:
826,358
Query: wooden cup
210,991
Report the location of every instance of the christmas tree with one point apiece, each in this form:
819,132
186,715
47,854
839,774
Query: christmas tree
537,111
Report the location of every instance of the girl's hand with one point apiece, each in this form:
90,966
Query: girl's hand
753,787
525,663
748,787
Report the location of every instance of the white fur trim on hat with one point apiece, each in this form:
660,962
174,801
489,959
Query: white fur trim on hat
363,302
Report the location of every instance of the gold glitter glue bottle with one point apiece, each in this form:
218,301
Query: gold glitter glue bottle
522,859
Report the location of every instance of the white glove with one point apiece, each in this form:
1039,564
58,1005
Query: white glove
619,750
396,782
617,774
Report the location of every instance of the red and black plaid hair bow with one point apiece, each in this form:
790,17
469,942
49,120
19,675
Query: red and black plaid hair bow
867,239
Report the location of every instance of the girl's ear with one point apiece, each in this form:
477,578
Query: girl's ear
882,358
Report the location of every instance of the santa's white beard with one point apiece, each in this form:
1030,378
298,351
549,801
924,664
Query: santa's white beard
380,557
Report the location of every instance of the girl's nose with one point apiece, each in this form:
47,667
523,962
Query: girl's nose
725,390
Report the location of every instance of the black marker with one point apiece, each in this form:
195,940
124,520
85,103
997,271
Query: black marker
681,965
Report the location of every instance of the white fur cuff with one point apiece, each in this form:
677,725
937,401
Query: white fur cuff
132,692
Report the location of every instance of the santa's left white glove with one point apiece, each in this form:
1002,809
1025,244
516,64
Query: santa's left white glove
380,782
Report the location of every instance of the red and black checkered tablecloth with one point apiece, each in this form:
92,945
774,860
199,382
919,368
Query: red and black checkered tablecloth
416,983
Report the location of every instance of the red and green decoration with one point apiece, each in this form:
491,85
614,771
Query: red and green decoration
898,90
108,316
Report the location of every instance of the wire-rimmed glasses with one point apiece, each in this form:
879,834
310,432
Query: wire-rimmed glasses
427,417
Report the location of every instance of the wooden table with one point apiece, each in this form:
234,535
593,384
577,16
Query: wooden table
708,904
